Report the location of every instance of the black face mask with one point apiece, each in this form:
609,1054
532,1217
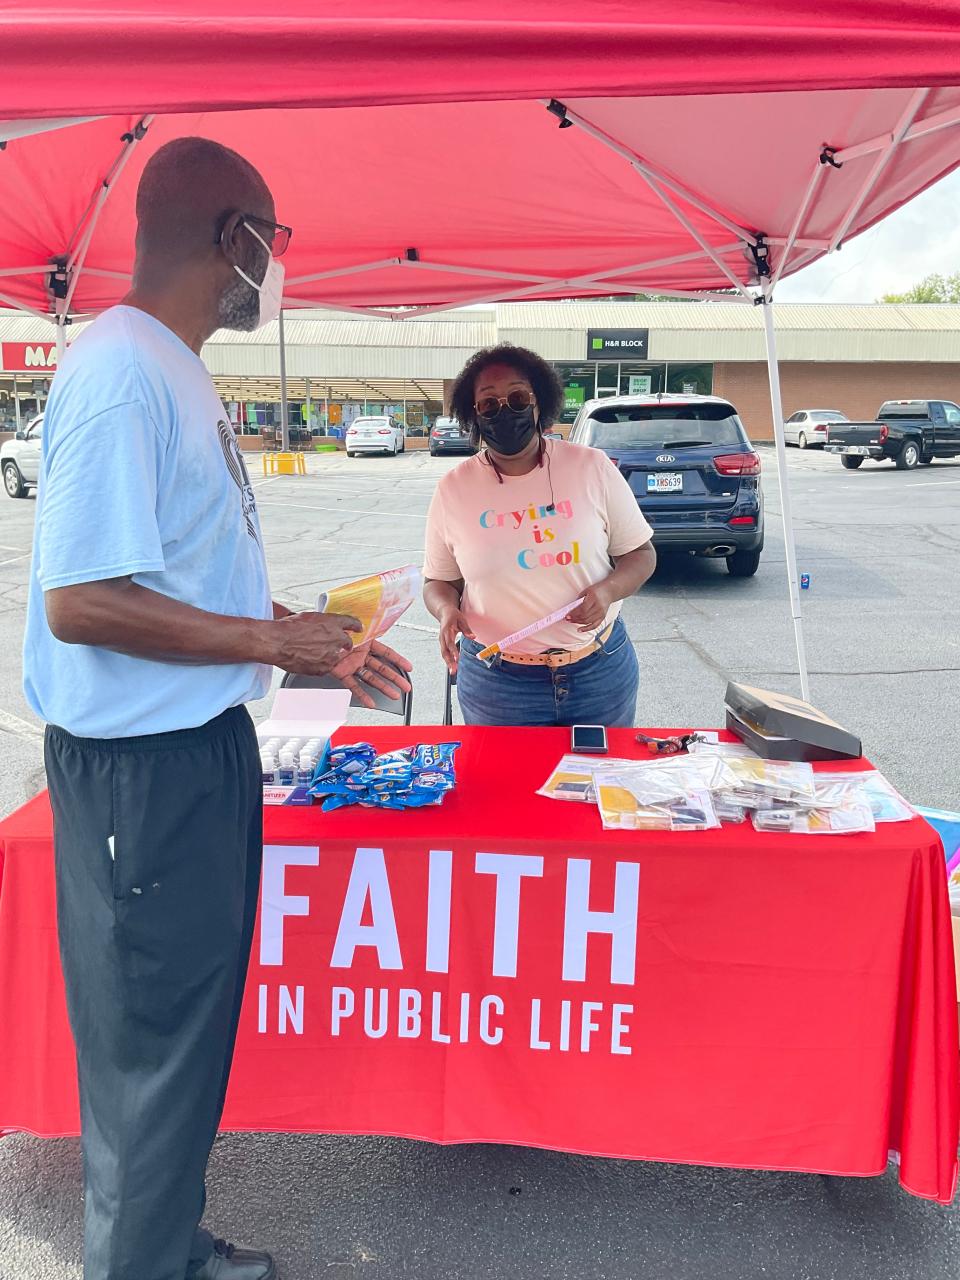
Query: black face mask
508,433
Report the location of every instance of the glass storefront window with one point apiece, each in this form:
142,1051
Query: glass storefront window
608,378
690,379
579,384
641,379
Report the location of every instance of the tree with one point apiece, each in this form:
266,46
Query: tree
932,288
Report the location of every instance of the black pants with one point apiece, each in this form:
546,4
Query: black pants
158,853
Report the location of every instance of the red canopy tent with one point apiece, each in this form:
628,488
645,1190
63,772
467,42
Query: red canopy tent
531,149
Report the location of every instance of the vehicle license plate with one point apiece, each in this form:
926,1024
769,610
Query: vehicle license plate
665,482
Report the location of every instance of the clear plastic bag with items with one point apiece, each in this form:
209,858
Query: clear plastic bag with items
841,808
770,784
620,810
671,779
885,801
573,778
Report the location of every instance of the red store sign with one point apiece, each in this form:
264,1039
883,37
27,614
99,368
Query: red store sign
28,357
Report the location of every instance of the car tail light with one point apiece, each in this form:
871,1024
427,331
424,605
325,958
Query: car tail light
738,464
615,461
743,520
351,431
884,433
821,426
384,431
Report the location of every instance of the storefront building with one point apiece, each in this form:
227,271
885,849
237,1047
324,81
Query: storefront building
847,358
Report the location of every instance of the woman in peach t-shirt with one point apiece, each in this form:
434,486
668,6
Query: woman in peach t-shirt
521,531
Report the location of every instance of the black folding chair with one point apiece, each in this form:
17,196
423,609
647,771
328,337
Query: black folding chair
448,695
402,706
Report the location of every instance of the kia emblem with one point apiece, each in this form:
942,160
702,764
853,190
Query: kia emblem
665,457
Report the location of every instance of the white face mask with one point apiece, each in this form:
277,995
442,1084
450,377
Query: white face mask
270,288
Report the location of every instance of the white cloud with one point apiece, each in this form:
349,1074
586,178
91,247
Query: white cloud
922,237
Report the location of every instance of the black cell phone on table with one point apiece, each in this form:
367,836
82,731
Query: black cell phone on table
588,739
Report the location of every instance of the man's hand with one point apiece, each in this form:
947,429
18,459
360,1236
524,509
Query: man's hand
592,613
312,644
373,664
453,623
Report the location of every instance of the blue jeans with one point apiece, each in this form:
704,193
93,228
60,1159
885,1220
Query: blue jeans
601,689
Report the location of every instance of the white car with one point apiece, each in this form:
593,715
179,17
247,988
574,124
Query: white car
375,435
808,427
20,460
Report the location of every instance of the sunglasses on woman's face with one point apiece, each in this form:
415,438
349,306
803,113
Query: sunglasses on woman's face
518,400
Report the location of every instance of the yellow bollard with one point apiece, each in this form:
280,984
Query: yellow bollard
284,464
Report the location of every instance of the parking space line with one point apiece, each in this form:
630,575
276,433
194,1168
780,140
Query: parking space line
355,511
9,723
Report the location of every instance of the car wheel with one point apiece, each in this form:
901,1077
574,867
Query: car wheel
909,456
13,481
802,440
350,454
743,564
434,453
850,461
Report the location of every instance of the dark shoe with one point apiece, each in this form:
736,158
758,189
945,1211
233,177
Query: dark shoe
227,1262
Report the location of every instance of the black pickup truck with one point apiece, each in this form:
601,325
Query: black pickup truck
907,432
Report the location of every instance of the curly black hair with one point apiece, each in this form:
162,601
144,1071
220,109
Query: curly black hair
541,375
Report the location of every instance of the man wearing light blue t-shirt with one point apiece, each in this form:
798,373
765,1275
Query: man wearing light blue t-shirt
150,625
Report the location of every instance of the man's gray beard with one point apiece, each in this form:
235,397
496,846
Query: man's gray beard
239,307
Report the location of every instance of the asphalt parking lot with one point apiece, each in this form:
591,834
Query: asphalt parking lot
882,624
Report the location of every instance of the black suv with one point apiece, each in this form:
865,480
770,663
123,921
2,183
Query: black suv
692,468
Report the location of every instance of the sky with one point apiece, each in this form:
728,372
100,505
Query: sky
920,238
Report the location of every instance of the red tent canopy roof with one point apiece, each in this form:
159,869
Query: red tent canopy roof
697,142
94,57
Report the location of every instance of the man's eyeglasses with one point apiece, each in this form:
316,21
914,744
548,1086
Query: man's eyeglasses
277,237
517,401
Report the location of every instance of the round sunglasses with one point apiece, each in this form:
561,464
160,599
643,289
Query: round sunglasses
489,406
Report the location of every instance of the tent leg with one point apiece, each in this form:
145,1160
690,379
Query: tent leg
284,416
61,340
16,404
309,408
793,580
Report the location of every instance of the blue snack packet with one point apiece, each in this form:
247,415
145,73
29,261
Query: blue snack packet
435,756
409,778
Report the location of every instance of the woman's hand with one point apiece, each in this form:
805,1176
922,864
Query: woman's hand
592,613
373,664
452,624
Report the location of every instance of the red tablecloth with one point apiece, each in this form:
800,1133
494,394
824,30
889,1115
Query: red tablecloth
766,1001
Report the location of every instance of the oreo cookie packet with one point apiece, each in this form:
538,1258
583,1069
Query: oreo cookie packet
410,778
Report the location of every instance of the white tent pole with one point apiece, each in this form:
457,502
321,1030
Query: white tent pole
309,408
688,226
881,162
61,340
921,129
798,223
600,279
16,403
78,254
776,405
25,271
649,170
284,424
23,306
12,129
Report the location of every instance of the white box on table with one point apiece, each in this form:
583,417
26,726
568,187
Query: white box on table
302,713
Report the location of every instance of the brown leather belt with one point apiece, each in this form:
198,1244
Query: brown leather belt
555,658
